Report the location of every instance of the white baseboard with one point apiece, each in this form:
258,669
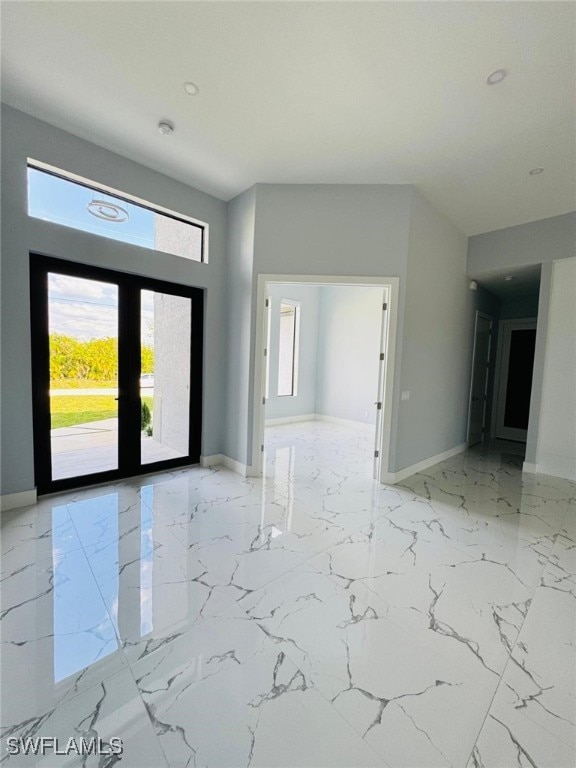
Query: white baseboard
361,425
555,465
15,500
291,419
211,461
221,460
235,466
396,477
529,467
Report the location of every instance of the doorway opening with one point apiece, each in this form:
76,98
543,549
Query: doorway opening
514,378
503,358
325,378
117,374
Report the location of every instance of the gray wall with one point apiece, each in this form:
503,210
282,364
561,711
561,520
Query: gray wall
533,243
365,230
348,352
539,359
538,242
304,401
326,229
23,137
516,307
172,333
437,338
237,357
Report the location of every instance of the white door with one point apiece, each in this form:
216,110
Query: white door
381,388
479,385
518,341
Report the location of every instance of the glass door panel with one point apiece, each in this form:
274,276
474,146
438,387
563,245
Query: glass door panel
116,373
165,328
83,360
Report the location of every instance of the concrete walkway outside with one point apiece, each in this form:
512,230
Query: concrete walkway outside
93,447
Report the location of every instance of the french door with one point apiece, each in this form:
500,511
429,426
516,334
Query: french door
117,374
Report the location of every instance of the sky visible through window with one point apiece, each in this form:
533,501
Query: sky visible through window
62,201
88,309
54,199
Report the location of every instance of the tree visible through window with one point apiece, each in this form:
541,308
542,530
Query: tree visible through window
288,349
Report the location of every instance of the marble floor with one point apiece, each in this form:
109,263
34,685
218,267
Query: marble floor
312,618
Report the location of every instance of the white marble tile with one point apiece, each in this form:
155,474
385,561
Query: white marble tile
516,741
34,534
111,708
225,696
309,618
57,636
533,715
568,528
373,672
452,600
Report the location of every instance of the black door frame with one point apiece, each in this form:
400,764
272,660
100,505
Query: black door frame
129,287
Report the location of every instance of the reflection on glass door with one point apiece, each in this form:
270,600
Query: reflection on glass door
83,359
165,375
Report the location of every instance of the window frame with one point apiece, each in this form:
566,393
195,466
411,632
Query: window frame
295,346
124,197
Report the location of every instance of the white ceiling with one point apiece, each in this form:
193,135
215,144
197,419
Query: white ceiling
316,92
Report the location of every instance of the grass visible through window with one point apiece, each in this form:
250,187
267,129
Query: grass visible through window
68,411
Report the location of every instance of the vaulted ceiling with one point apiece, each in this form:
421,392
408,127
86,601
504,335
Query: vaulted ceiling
316,92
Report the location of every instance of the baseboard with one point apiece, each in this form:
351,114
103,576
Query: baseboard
529,467
221,460
214,460
396,477
361,425
15,500
290,419
554,465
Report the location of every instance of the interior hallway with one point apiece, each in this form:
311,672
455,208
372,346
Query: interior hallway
312,618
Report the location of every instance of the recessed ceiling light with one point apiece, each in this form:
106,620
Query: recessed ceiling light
191,89
496,77
165,127
536,171
509,277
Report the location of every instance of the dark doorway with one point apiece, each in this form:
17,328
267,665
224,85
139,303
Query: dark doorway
518,342
519,385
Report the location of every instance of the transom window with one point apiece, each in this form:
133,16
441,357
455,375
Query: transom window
80,204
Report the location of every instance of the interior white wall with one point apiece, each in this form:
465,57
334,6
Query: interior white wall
556,448
304,402
23,137
437,338
349,335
